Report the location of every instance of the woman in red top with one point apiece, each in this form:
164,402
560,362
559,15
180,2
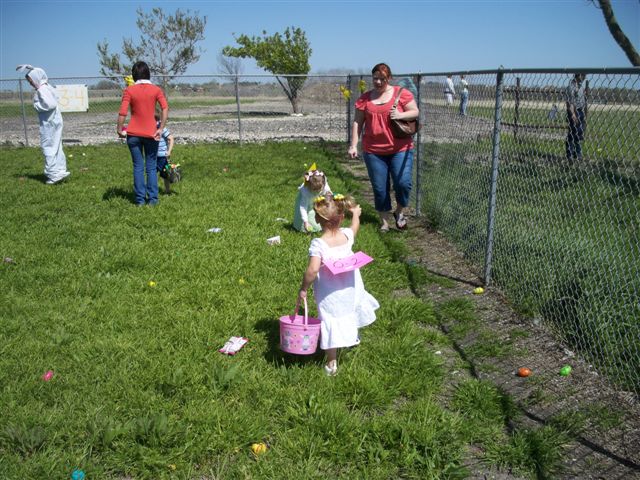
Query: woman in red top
387,158
143,132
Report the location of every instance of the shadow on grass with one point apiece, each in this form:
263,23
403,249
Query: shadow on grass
38,177
477,283
116,192
277,357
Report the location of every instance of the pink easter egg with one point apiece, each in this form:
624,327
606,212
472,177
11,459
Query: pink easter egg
47,376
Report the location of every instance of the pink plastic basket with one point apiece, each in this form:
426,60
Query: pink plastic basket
299,334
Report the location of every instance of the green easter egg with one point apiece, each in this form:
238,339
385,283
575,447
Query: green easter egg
566,370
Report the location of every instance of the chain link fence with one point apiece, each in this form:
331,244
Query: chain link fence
546,208
203,108
556,229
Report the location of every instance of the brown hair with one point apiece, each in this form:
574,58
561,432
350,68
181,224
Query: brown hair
382,68
330,210
315,183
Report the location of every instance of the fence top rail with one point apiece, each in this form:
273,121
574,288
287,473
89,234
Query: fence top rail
612,70
605,70
200,75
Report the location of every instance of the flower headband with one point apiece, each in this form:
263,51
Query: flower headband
338,197
319,199
313,173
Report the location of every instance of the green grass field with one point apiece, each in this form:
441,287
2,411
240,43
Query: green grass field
139,389
610,135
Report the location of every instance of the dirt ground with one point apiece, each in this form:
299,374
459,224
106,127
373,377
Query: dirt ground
606,440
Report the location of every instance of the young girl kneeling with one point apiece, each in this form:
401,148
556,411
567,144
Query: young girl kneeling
344,305
315,183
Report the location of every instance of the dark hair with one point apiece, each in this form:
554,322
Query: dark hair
383,68
140,71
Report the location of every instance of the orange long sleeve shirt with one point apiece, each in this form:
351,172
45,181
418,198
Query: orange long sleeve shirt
142,98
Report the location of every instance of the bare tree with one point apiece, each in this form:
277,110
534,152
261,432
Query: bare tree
229,65
168,43
617,33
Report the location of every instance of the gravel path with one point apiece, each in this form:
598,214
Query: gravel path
261,121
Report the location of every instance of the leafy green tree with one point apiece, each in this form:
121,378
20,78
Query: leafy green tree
168,43
281,54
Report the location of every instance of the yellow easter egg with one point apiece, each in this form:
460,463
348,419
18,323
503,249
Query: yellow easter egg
478,290
152,283
258,448
242,281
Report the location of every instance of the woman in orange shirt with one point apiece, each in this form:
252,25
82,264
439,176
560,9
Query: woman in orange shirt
143,133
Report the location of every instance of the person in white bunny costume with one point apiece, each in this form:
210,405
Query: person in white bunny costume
45,101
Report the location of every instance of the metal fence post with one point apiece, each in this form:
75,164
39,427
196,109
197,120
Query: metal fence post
494,179
516,111
418,158
24,115
348,112
237,89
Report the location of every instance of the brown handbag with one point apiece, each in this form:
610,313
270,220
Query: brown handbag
403,128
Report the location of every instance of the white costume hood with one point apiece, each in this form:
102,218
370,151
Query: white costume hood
45,98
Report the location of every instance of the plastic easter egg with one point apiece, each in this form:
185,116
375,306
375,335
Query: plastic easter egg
258,448
524,372
47,375
152,283
478,290
77,475
566,370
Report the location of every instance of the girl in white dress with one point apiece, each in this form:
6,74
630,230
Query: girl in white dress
344,305
315,183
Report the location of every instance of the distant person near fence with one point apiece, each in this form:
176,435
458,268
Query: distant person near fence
576,116
464,95
449,90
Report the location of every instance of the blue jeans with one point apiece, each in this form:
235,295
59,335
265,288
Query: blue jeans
162,163
464,101
143,153
575,135
397,167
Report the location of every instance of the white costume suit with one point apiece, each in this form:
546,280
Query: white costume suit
449,91
45,101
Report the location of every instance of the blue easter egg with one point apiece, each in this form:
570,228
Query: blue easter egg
77,475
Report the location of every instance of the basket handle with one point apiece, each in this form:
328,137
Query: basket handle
306,311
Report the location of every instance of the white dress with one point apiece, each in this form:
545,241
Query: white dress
303,211
343,303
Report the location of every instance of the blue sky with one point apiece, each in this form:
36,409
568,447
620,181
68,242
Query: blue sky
410,36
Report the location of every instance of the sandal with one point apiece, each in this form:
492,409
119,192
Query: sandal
331,368
401,221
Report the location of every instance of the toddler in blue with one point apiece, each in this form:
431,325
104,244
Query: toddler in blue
165,146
